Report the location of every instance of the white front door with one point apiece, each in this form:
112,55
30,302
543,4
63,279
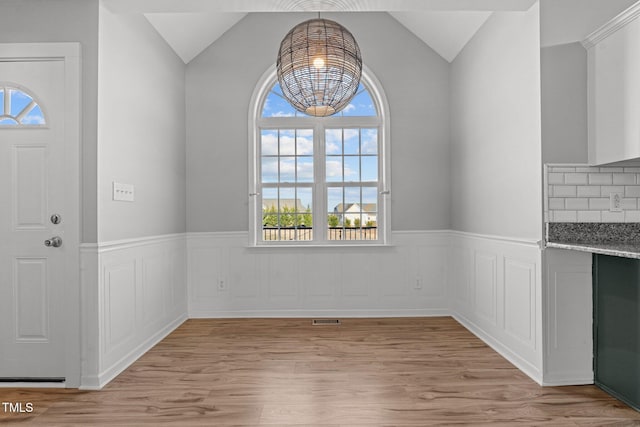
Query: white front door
32,192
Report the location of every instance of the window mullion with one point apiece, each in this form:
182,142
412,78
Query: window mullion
344,199
278,213
320,187
360,177
382,183
296,216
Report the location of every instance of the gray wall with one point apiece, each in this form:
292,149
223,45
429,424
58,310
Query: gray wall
141,130
66,21
221,80
564,103
495,121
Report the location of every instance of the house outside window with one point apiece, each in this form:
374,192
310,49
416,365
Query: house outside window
319,180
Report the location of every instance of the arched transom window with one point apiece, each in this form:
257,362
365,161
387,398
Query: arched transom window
319,180
19,109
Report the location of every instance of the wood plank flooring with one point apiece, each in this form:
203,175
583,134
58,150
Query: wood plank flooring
285,372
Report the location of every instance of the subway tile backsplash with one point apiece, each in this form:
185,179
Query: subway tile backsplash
581,193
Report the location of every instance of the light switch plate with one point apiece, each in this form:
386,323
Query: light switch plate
123,192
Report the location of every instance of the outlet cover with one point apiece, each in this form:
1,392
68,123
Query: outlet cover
615,202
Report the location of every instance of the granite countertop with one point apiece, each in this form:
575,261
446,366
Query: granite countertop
617,239
615,249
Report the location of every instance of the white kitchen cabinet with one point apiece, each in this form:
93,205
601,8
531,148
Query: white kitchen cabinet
614,89
568,317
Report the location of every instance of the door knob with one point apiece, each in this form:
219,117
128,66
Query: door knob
56,242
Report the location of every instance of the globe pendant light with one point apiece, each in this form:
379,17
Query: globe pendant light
319,67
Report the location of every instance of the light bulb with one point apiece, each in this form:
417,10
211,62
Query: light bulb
318,62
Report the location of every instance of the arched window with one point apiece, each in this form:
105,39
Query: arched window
19,109
319,180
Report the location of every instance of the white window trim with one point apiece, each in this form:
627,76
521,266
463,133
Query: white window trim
261,91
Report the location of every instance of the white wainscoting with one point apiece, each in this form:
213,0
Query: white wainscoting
133,294
136,292
229,279
568,295
496,293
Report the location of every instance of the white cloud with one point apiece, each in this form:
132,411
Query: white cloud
334,169
305,144
269,144
270,170
287,144
32,120
333,148
369,141
288,170
349,108
350,134
305,171
282,114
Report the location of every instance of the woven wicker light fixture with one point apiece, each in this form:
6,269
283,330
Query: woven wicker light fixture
319,67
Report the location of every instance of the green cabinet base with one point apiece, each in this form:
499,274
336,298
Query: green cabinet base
616,316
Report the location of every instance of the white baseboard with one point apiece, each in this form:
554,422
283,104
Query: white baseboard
90,382
520,363
204,314
105,377
570,380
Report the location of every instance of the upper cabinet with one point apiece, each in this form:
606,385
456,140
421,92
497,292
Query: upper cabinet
614,89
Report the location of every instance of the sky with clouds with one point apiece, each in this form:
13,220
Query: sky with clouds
351,154
18,105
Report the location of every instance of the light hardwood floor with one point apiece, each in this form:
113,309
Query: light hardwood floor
285,372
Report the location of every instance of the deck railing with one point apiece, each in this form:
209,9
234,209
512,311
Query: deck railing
306,233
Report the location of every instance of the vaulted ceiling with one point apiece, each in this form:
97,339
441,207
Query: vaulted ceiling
190,26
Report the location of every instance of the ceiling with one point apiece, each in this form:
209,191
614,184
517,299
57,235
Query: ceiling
190,26
189,33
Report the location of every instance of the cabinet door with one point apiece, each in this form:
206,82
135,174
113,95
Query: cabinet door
614,96
617,327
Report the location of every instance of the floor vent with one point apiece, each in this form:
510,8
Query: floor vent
317,322
31,380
